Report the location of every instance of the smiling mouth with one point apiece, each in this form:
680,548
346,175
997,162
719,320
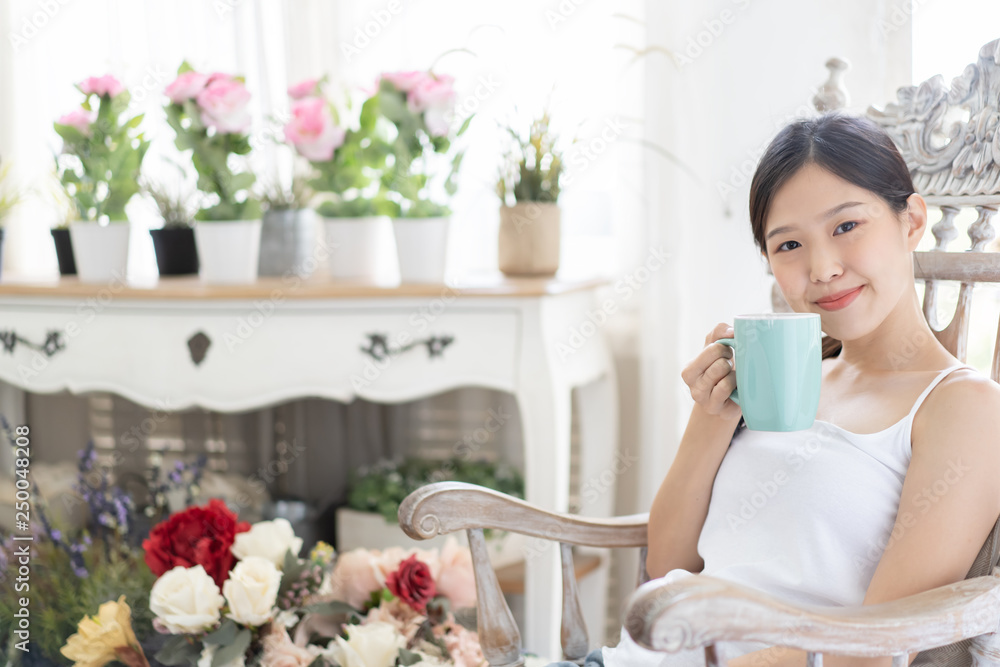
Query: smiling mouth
841,301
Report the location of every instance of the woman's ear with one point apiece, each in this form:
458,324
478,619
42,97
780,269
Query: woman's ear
916,220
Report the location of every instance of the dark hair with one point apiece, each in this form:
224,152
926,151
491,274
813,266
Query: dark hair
853,148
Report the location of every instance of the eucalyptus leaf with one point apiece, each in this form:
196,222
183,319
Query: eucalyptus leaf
229,652
179,650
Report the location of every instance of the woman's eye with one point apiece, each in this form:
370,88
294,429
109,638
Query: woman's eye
850,222
782,247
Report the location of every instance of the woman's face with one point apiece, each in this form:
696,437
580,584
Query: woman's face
826,238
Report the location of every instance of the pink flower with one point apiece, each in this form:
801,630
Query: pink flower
102,86
405,81
312,130
435,98
356,577
279,651
186,86
406,620
462,644
457,580
303,89
81,119
223,104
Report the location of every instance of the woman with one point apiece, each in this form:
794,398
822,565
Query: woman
893,490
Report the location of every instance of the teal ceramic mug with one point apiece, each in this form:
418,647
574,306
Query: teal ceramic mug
777,359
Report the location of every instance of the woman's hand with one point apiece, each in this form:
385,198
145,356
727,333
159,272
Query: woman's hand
711,378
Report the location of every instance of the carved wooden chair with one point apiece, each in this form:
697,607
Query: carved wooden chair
954,165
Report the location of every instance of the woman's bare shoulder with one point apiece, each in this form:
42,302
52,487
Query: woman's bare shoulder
965,403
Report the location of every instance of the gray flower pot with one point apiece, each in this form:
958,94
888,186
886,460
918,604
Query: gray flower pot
287,240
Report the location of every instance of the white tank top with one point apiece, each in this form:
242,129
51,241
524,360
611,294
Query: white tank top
806,515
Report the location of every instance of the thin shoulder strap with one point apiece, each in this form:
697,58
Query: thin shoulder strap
940,376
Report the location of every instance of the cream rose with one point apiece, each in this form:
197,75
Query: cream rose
251,591
267,539
370,645
186,600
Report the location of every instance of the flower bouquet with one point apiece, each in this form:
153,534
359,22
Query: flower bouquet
231,594
99,168
210,116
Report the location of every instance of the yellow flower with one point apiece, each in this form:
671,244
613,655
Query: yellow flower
98,637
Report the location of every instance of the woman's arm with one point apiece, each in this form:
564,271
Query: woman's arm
681,505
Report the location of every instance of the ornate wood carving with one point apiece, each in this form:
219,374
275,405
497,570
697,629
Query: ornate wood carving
948,134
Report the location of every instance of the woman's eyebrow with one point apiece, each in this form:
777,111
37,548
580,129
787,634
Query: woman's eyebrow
826,216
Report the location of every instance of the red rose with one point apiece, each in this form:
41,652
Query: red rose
412,583
196,536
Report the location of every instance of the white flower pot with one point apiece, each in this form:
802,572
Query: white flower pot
368,530
355,245
228,251
421,244
100,252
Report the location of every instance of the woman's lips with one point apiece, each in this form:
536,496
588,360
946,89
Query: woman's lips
842,302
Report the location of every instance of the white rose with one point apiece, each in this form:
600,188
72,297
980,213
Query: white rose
208,653
267,539
186,600
251,591
370,645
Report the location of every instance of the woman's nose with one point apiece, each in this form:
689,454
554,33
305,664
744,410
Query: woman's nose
824,265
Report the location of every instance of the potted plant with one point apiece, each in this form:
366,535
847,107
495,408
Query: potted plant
375,492
288,230
174,243
528,187
209,114
345,166
99,168
10,196
424,167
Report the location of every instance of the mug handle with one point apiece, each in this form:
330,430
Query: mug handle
731,342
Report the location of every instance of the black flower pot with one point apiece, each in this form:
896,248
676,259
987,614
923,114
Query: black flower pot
176,253
64,252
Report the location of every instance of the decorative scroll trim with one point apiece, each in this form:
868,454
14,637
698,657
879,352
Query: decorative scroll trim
53,342
379,350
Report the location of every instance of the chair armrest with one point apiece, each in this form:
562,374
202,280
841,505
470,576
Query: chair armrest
700,610
445,507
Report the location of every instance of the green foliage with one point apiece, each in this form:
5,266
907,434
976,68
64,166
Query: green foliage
60,598
383,487
174,205
101,171
532,166
348,183
10,194
423,169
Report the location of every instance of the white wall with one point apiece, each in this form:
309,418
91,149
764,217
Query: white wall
757,65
